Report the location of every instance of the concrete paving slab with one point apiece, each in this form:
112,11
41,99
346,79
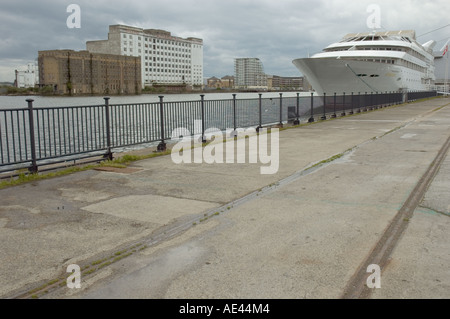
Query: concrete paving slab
153,209
420,265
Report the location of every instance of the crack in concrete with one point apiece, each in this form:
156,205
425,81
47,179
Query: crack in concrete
435,211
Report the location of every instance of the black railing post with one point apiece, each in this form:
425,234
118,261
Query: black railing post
371,99
334,106
281,109
108,154
33,168
351,112
260,113
311,119
202,99
365,100
343,105
359,103
162,146
377,100
234,133
297,121
324,116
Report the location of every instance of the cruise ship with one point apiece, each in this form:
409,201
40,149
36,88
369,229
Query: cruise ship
390,61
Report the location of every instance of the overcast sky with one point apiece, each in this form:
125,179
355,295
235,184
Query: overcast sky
277,32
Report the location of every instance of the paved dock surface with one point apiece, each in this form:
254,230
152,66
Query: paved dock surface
225,231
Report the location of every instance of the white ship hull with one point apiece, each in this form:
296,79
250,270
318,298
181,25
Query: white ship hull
390,61
332,75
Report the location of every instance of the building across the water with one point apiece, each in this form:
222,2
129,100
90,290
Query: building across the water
249,74
165,59
28,78
83,72
226,82
283,83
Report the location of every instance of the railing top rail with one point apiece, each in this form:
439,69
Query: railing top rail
66,107
50,107
9,110
134,104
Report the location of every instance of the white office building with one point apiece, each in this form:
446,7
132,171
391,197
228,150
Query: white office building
29,77
165,59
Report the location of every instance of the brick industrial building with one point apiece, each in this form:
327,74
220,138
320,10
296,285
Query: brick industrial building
276,82
83,72
226,82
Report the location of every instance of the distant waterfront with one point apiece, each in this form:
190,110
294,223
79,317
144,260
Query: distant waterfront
51,101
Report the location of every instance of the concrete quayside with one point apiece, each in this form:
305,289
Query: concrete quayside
163,230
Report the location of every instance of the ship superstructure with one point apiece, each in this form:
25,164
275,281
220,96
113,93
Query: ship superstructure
371,62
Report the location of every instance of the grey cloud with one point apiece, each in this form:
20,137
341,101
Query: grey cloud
275,31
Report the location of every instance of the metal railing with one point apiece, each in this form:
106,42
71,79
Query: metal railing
34,137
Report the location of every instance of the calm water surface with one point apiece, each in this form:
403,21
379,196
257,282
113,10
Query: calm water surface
50,101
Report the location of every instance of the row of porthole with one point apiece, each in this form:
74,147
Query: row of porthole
372,75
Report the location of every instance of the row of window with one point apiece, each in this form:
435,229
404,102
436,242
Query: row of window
386,61
409,51
171,71
188,56
413,66
172,79
405,63
146,39
157,47
179,61
167,71
176,66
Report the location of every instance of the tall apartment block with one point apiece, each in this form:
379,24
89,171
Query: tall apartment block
83,72
165,59
249,73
